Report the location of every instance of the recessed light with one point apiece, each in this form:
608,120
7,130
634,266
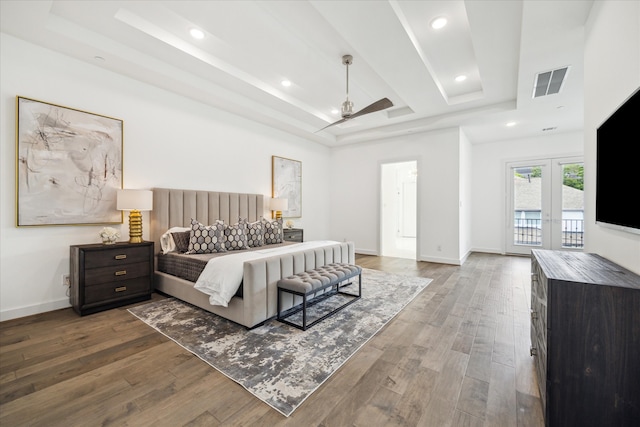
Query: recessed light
461,78
438,23
197,33
511,124
285,83
335,111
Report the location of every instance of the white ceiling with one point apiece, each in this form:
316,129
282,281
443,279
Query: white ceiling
251,46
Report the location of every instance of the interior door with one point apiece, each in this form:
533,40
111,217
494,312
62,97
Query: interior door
545,205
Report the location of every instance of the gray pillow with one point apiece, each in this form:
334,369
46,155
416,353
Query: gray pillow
181,239
272,231
205,239
235,236
255,234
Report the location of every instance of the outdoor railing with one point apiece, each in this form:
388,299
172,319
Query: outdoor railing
529,232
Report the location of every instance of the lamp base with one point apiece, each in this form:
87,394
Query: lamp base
278,214
135,227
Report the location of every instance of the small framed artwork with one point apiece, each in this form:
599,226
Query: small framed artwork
287,183
68,165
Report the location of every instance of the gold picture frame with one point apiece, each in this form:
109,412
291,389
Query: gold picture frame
287,183
68,165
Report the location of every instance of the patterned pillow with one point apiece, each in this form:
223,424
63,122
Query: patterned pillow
255,234
272,231
182,239
235,236
206,239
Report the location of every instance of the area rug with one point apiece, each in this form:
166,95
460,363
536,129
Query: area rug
277,363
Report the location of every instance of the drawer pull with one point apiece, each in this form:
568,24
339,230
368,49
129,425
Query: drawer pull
121,272
120,257
121,289
533,351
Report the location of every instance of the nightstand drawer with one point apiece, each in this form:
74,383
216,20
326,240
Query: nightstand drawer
116,256
116,273
109,291
293,234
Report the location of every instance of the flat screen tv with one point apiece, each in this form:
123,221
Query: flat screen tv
618,168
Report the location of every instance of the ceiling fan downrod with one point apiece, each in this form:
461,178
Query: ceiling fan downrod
347,106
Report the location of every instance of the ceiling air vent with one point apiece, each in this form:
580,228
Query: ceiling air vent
549,82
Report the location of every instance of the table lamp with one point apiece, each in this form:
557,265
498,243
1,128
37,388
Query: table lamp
135,201
278,205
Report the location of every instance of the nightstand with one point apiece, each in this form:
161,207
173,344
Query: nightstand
293,234
109,276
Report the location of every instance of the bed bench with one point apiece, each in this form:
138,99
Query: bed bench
308,283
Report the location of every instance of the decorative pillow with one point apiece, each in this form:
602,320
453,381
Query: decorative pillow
166,240
255,234
235,236
272,231
181,240
206,239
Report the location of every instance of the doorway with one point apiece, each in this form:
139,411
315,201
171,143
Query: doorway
545,208
398,211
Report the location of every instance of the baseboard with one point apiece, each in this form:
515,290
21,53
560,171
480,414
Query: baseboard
440,260
15,313
366,252
488,251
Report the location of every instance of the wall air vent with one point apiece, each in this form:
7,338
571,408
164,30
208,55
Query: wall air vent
549,82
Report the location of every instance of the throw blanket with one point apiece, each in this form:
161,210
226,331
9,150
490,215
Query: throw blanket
222,276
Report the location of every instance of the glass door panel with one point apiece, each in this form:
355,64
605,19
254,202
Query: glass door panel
571,207
528,210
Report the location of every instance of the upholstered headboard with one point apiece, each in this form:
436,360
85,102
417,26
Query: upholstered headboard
175,208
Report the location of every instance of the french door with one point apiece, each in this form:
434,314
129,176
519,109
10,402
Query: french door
545,205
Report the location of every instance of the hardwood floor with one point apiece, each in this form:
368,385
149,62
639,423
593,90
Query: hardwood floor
458,355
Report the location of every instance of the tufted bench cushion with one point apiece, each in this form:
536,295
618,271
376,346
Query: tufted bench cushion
307,283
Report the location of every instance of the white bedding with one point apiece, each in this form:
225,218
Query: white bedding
222,276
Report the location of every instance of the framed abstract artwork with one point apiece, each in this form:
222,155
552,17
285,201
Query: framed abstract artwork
68,165
287,183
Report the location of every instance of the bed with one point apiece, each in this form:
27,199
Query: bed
256,299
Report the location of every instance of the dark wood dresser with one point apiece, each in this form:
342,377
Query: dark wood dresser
585,337
108,276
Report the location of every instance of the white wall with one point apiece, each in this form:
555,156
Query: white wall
466,182
355,208
488,194
163,135
612,73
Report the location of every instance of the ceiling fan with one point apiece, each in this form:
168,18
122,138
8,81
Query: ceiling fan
347,106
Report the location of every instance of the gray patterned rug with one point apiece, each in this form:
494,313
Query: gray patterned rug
279,364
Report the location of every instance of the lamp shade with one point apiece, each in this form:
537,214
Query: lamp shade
129,200
279,204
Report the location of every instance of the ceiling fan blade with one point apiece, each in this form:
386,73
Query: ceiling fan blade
347,106
334,123
382,104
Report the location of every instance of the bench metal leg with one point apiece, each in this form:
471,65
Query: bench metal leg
305,304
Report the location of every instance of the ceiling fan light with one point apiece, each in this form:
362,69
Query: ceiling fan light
347,108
